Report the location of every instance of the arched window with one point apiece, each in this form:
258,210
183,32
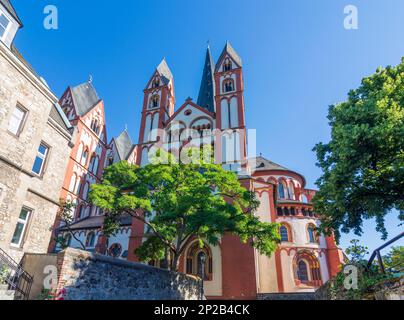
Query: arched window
115,250
67,240
154,101
193,261
156,82
312,234
77,186
85,191
92,162
227,65
228,85
302,273
281,190
304,198
307,269
95,166
84,157
72,186
291,190
95,126
284,232
90,240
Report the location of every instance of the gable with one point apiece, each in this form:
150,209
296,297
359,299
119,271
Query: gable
97,112
190,113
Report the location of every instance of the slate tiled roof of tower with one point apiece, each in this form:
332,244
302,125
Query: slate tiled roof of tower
85,97
207,89
9,7
124,145
165,72
232,53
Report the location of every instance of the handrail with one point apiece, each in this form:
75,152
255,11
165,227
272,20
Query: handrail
17,279
376,252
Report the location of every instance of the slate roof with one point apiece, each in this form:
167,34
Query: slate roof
207,90
96,222
124,145
9,7
165,72
232,53
85,97
265,164
59,116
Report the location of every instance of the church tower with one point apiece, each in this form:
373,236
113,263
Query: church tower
158,107
206,98
229,100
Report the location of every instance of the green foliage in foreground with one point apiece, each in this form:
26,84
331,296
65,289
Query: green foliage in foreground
363,163
367,278
179,202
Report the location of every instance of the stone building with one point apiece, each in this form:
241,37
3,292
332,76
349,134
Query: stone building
35,143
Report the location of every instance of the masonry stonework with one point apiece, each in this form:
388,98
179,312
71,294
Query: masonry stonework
19,187
87,276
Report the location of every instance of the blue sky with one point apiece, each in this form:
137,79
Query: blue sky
298,59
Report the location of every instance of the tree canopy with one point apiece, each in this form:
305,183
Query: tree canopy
179,202
363,163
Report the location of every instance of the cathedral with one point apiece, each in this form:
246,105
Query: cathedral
304,259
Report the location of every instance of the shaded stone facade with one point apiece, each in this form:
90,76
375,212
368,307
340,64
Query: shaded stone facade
19,185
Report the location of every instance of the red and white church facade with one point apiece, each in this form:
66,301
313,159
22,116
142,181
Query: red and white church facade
303,260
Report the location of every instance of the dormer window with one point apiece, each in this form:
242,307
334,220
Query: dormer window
4,24
227,65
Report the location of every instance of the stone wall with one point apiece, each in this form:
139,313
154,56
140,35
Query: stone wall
392,289
18,185
87,276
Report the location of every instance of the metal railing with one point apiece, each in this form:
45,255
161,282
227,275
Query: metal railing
15,276
377,254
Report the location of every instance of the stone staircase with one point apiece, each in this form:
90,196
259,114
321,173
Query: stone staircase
15,282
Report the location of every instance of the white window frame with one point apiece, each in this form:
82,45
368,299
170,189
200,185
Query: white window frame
24,229
44,158
6,31
22,122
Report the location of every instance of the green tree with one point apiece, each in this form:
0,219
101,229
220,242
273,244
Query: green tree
66,217
356,251
394,260
178,202
363,163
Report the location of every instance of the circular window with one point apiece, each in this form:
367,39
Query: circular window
115,250
188,112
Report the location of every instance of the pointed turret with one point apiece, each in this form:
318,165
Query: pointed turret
124,145
229,51
207,90
165,72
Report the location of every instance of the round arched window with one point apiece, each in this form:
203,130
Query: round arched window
115,250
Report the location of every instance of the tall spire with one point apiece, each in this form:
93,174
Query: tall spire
206,98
